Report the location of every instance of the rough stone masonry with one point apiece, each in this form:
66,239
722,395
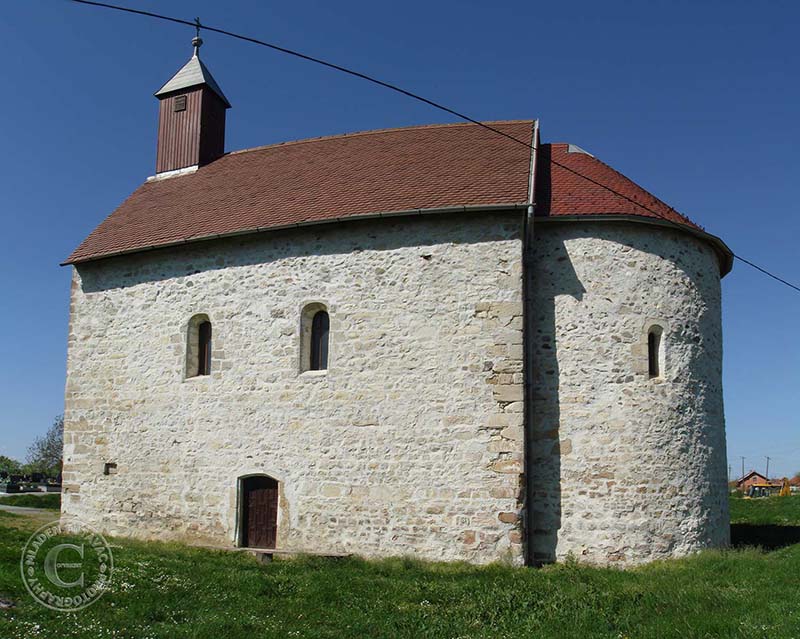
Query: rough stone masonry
412,441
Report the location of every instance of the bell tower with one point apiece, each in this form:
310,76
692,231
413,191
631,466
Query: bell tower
191,117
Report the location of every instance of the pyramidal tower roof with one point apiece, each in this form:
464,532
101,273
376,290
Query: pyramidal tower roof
192,74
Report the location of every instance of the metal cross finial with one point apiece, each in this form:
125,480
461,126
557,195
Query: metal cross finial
197,41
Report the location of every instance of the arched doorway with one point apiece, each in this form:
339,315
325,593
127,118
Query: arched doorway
259,511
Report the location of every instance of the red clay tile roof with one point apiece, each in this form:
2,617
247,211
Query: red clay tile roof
560,191
376,172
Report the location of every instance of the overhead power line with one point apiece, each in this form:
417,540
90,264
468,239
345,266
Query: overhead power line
336,67
765,271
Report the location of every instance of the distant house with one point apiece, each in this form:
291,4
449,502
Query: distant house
754,477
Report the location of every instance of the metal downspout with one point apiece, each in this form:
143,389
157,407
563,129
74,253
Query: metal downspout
527,337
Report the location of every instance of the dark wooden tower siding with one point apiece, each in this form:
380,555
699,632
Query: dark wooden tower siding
191,117
194,135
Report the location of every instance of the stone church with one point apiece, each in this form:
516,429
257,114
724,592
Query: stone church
428,341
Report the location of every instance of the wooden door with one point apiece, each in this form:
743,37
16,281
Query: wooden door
259,512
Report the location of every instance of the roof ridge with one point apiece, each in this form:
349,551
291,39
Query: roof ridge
354,134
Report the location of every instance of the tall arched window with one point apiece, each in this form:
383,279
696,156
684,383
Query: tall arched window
320,328
198,346
315,328
654,354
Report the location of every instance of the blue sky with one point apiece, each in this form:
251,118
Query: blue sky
696,101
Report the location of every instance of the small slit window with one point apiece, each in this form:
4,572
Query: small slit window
654,352
320,328
180,103
204,348
110,468
314,338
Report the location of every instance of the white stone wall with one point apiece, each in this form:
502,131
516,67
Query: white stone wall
411,442
627,468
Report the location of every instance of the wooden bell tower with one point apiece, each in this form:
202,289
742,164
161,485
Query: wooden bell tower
191,118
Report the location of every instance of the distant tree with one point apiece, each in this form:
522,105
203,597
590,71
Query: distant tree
29,468
11,466
44,455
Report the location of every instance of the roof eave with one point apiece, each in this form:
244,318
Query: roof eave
160,94
723,252
476,208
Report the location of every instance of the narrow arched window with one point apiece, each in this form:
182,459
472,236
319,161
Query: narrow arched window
315,330
320,329
204,348
654,358
198,346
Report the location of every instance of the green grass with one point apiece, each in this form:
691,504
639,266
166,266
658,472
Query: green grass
784,511
50,500
169,591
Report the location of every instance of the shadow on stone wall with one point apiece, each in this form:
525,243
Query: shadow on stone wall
767,536
347,238
552,275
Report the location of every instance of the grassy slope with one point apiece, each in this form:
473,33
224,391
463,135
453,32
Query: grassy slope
50,500
784,511
170,591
